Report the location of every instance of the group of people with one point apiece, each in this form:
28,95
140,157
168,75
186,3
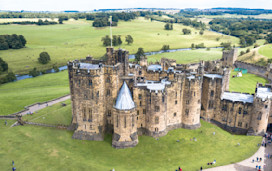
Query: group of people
212,163
180,169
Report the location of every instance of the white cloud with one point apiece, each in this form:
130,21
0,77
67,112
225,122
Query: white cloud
56,5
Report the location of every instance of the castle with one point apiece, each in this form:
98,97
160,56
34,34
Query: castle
130,99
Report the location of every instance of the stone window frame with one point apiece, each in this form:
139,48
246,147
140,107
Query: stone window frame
240,124
176,102
175,114
240,110
144,111
259,116
139,96
157,108
157,120
212,93
187,111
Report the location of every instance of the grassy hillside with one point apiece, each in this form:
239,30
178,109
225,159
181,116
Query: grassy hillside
77,39
266,51
190,56
246,83
16,95
40,148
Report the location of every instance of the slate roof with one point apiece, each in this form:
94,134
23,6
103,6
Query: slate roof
237,97
124,99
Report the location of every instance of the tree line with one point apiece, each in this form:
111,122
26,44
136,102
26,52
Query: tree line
12,41
39,22
5,76
116,40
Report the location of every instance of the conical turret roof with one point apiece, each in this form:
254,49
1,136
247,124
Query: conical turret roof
124,99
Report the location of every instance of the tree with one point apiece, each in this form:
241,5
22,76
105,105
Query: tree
168,26
201,32
129,39
119,40
139,53
248,50
3,66
226,46
23,40
44,58
192,45
186,31
34,72
106,40
165,47
10,77
3,44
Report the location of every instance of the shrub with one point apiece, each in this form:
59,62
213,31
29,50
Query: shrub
139,53
242,53
34,72
201,45
248,50
165,47
44,58
168,26
186,31
129,39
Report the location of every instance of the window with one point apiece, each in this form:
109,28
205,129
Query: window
144,111
246,125
140,103
212,93
156,129
97,94
90,115
156,120
138,112
245,112
187,112
225,107
125,121
132,121
84,114
140,96
85,96
90,82
210,104
175,114
187,101
194,93
259,116
265,106
176,94
157,108
108,80
176,102
108,92
163,98
117,121
240,124
78,83
91,127
109,113
240,110
140,72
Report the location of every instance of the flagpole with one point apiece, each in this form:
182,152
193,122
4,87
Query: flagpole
110,29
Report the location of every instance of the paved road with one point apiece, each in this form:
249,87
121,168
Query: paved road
37,107
248,165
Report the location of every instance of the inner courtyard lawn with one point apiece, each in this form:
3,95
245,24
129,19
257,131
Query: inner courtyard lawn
16,95
189,56
246,83
76,39
41,148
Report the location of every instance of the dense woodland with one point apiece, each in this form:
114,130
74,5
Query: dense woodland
247,30
12,42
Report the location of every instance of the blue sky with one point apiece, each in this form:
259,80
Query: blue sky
85,5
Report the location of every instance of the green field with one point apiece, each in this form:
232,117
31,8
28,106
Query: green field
54,115
41,148
77,39
266,51
16,95
190,56
246,83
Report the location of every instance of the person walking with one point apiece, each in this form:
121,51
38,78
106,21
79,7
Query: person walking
12,163
201,168
6,123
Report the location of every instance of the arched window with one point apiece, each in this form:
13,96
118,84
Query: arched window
260,116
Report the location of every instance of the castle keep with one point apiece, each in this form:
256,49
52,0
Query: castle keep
128,99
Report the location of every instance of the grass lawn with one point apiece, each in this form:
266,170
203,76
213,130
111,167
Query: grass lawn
55,114
16,95
246,83
76,39
190,56
266,50
40,148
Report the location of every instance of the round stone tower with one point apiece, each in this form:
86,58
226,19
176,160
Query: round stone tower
260,114
125,120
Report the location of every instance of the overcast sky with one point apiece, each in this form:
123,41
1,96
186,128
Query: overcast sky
86,5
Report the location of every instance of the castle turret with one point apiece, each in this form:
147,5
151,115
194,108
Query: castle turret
124,117
260,114
192,102
143,61
229,57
